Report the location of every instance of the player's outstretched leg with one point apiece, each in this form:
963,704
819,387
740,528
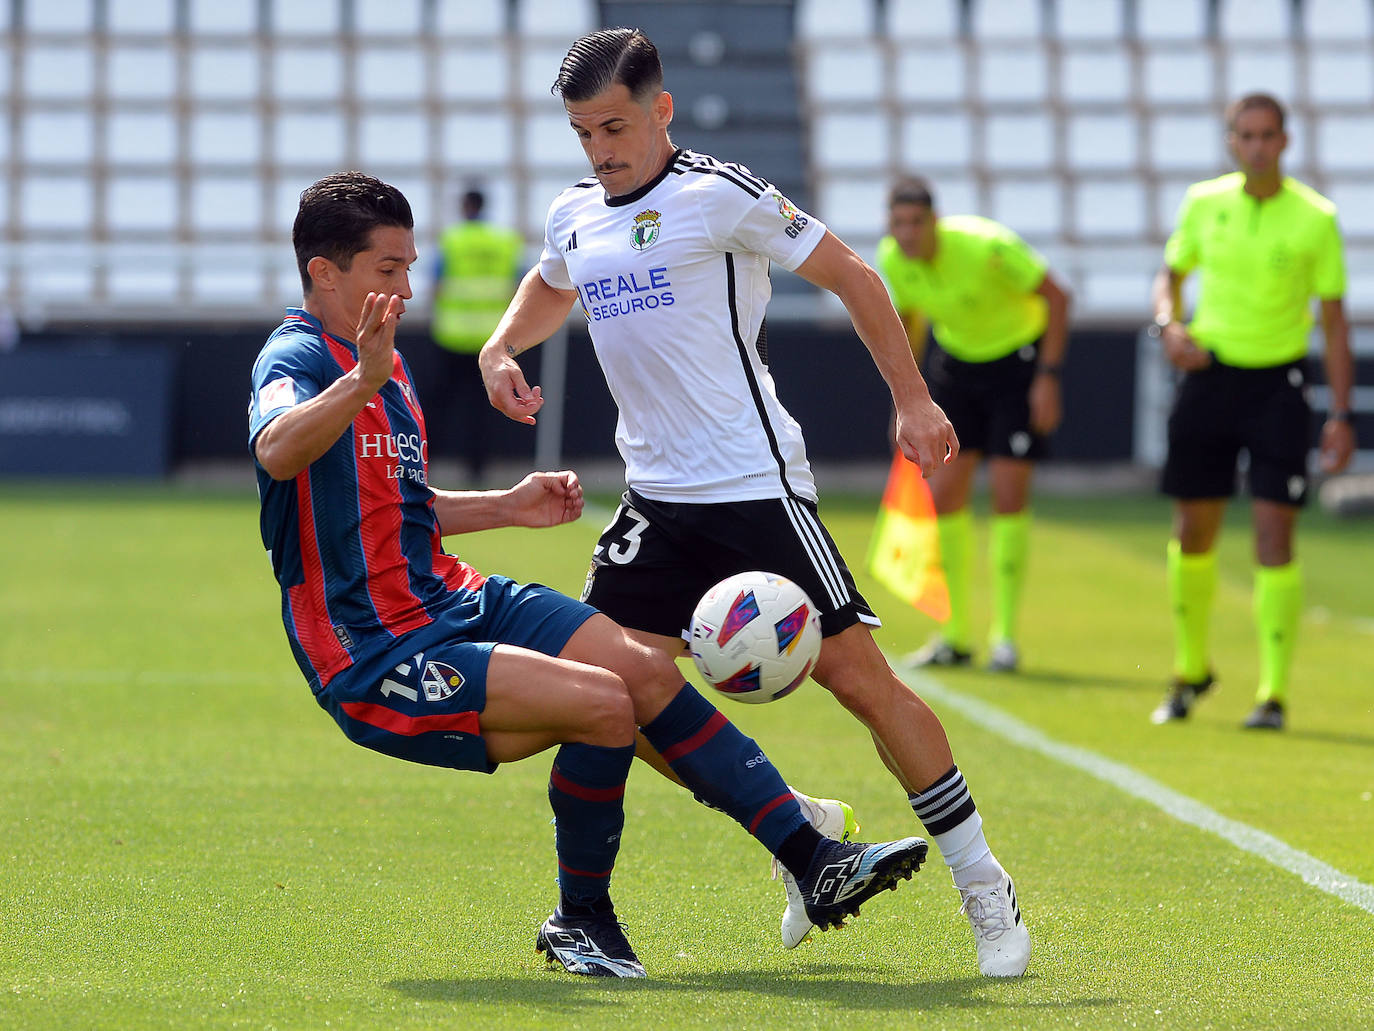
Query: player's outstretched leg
728,771
844,875
947,812
835,820
590,943
912,742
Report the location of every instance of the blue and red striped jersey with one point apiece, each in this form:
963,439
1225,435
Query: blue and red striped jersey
353,539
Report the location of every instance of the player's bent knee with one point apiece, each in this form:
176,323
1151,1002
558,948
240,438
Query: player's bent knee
606,711
651,677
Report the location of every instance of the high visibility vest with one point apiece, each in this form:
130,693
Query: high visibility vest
481,263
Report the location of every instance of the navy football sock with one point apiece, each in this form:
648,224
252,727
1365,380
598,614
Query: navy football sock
587,793
723,768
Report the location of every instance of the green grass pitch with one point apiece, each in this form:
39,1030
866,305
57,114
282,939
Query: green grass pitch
187,841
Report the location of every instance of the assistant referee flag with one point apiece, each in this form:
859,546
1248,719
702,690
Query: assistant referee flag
904,555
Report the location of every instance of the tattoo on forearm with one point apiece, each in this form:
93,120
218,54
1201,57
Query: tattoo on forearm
510,350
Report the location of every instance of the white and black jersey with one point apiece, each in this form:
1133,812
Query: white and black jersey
673,279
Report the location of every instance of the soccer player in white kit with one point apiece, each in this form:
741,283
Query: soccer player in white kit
667,252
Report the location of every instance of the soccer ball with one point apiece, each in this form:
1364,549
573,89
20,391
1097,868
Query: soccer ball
755,636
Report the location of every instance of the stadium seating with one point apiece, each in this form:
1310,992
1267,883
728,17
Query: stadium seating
1079,122
922,21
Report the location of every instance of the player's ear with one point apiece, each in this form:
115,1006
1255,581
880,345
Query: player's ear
662,109
322,271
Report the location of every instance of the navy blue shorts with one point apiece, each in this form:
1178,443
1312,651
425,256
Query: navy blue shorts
988,402
426,707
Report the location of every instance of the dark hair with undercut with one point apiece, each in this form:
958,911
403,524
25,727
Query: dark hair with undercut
337,215
1250,102
603,58
911,190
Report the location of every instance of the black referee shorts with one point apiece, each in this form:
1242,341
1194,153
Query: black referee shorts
988,402
1221,409
657,558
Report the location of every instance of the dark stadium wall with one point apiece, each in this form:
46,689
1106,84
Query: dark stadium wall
823,373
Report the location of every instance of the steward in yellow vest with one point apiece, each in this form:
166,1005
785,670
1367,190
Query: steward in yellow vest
479,267
477,277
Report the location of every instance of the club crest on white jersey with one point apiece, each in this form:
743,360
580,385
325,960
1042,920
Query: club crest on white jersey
648,224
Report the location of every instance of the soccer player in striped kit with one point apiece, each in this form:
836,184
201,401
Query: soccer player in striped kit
417,655
667,252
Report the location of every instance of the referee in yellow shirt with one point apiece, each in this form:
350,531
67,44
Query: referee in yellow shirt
999,321
1263,245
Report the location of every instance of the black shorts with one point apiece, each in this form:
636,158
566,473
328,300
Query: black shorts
988,402
657,558
1222,409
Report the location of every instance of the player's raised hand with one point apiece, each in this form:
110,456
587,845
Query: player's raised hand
507,390
376,337
546,499
926,436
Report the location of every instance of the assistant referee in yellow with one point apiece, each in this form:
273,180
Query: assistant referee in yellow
1263,245
999,319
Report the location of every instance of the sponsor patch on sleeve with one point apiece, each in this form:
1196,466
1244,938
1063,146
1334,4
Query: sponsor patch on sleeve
795,220
280,393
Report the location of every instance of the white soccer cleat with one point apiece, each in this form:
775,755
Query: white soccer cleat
998,930
835,820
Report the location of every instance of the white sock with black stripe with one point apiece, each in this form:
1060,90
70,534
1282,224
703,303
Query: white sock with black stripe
950,818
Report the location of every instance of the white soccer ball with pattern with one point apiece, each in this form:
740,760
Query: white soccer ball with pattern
755,636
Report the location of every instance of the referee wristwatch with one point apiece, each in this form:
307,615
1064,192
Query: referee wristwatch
1156,328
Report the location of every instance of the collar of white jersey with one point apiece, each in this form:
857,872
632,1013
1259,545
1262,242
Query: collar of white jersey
634,195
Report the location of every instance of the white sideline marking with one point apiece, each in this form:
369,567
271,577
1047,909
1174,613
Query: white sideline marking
1319,875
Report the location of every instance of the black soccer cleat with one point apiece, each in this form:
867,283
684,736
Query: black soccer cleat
594,945
1181,698
844,875
937,652
1267,715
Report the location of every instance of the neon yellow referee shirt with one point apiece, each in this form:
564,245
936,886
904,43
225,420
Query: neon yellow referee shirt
1260,263
977,292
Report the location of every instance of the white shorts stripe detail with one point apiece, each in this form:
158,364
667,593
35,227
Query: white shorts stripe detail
835,601
817,563
821,559
828,558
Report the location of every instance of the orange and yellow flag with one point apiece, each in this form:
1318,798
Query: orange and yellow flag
904,555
